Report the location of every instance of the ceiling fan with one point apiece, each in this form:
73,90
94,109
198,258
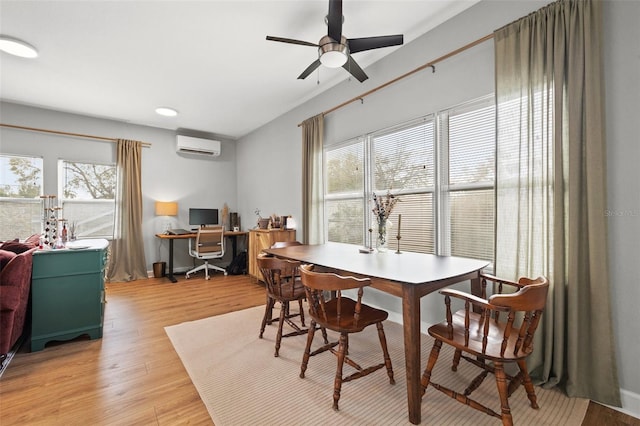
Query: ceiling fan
334,50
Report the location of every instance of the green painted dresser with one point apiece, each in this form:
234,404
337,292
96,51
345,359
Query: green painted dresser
67,292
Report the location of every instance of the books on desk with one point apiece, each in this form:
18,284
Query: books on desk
178,231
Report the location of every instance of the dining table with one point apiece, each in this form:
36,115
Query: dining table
407,275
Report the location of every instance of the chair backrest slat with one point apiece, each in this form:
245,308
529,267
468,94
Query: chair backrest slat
318,284
279,275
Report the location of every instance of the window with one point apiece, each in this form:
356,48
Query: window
442,168
468,176
87,194
20,190
344,166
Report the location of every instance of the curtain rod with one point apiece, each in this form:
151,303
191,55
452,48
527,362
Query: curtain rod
407,74
57,132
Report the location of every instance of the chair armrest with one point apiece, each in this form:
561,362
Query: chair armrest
495,279
475,300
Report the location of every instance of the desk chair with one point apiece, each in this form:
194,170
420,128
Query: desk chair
208,244
500,332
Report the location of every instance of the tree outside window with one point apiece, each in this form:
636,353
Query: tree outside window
20,191
88,197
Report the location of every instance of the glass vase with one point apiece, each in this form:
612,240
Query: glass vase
382,238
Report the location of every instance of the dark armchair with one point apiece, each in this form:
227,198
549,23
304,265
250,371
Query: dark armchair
15,284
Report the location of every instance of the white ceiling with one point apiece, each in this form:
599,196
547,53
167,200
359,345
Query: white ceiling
207,59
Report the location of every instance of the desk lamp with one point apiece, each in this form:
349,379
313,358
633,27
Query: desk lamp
166,208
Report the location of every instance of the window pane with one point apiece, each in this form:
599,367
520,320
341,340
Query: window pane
20,190
88,181
417,228
344,197
345,221
403,158
471,175
472,146
472,224
88,197
91,219
345,169
403,162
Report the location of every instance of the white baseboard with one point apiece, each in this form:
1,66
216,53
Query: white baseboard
630,403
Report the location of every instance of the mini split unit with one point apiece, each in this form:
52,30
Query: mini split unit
189,145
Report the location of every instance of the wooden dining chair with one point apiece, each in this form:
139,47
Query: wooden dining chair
268,314
345,316
499,330
283,285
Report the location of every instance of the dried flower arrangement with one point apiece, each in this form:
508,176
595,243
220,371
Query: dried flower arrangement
382,206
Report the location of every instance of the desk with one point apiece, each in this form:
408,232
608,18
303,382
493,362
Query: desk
408,276
234,244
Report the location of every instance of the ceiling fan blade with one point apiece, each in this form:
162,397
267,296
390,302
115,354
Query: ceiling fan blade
311,68
368,43
291,41
355,70
334,20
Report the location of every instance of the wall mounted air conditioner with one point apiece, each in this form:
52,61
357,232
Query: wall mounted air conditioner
190,145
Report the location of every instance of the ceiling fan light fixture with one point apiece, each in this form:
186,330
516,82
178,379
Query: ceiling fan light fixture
332,54
333,59
17,47
166,111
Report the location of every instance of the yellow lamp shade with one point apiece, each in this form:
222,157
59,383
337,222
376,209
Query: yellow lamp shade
164,208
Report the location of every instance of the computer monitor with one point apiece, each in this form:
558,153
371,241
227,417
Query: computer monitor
203,217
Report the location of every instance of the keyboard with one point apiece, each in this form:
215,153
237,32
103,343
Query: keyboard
178,231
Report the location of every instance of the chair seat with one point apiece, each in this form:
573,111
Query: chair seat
494,337
347,323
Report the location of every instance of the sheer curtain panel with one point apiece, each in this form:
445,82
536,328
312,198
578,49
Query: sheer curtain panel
551,189
127,262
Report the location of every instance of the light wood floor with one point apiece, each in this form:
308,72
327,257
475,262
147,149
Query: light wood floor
132,376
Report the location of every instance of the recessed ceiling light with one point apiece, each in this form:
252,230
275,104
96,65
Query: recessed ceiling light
166,111
17,47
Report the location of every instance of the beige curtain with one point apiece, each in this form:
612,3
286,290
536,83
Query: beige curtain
127,261
551,189
312,180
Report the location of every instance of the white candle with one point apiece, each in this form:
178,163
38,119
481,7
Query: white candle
399,222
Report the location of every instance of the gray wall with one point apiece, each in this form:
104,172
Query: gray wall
622,79
194,181
467,76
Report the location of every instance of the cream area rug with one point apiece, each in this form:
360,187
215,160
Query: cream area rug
242,383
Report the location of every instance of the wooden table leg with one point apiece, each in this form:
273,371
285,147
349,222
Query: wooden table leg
411,322
170,275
